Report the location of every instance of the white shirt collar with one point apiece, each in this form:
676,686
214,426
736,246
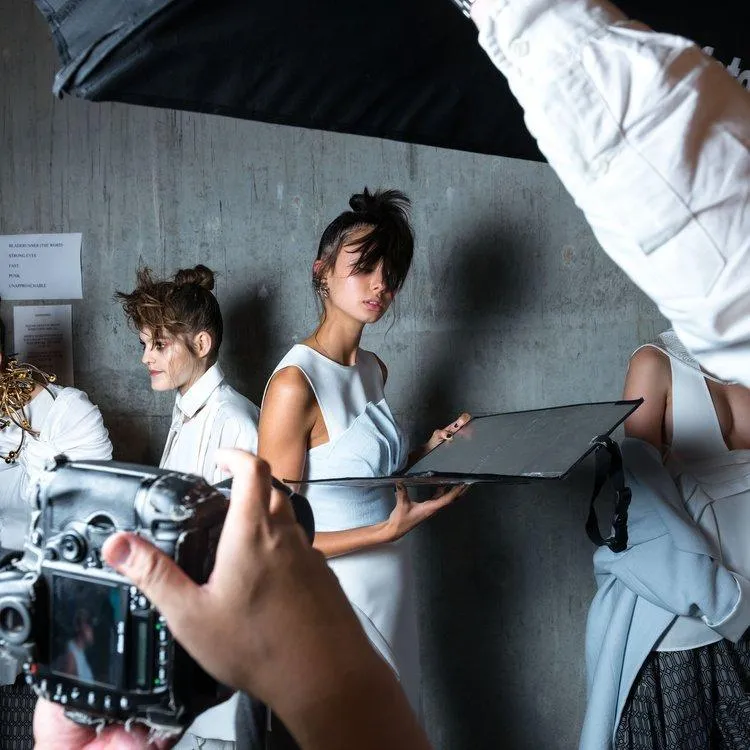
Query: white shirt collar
200,391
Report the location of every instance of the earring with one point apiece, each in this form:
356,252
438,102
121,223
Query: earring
321,287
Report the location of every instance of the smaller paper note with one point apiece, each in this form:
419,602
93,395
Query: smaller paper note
43,336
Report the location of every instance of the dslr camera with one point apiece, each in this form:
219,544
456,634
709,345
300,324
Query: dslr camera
83,636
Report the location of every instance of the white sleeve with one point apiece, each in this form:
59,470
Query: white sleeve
73,427
230,430
650,137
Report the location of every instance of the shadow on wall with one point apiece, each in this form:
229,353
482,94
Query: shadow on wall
138,441
246,354
504,575
486,287
506,583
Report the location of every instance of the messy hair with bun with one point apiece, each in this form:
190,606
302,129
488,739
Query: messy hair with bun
389,236
182,306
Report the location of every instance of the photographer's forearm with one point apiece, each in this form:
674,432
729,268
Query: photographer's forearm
647,134
348,699
273,621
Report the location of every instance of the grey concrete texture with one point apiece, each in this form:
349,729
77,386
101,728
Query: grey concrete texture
510,305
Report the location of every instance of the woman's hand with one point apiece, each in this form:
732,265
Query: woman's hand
408,514
437,437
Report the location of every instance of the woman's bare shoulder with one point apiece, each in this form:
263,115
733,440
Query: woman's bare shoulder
651,364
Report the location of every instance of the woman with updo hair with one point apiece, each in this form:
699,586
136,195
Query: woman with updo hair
324,414
180,327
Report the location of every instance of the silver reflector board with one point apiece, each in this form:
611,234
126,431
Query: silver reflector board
512,448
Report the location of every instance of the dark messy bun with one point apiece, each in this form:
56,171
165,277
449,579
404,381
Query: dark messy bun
389,237
201,275
382,204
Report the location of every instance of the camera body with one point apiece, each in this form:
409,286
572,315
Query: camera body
82,634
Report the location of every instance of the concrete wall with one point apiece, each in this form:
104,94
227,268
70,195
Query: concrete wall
510,305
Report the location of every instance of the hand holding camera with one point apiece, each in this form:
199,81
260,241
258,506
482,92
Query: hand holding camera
269,601
270,619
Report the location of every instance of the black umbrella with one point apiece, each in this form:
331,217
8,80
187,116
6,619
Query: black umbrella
409,70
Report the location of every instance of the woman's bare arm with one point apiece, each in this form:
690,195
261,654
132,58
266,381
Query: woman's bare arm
290,424
649,378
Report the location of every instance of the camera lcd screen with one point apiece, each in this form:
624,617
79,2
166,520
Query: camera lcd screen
141,676
88,630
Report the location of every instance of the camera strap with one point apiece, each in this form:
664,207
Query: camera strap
608,466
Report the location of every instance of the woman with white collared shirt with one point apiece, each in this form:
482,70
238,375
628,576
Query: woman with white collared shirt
208,416
180,328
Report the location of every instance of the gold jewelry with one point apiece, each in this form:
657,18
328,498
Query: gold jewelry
17,384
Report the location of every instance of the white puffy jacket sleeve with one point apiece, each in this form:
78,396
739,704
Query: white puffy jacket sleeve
650,136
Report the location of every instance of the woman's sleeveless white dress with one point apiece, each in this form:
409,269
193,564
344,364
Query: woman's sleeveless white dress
364,440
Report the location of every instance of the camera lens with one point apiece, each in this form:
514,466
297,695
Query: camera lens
15,621
72,548
11,621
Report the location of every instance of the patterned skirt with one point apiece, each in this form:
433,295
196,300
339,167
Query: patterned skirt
16,715
698,699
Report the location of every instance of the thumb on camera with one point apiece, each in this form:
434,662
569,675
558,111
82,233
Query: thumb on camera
162,581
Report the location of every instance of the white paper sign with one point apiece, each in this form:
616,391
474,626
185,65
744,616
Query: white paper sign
43,336
40,266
